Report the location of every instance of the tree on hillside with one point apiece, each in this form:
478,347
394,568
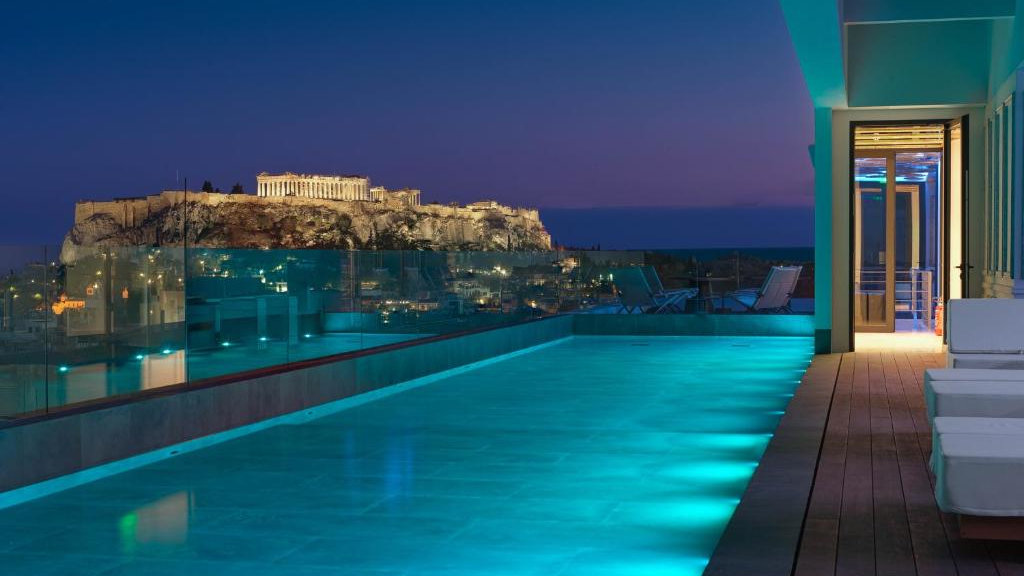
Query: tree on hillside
237,189
207,186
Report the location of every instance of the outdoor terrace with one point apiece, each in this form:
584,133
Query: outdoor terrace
864,493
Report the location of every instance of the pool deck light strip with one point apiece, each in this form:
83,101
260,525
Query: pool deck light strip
54,485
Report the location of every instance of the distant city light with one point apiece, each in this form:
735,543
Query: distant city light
263,338
139,356
225,344
308,335
166,350
63,369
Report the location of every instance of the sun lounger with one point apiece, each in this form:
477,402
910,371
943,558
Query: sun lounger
978,464
774,295
980,474
986,333
989,399
636,294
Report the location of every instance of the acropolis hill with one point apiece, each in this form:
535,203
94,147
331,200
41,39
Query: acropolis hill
304,211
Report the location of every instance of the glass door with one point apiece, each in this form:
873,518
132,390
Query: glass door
957,265
874,220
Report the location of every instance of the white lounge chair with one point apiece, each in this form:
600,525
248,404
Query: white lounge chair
986,333
636,294
987,399
774,295
979,474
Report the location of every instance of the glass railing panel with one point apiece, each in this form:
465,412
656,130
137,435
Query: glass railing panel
717,281
394,290
118,323
25,280
241,312
321,306
110,321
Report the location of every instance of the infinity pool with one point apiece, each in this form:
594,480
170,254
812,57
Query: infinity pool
593,456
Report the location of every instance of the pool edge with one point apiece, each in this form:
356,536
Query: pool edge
763,535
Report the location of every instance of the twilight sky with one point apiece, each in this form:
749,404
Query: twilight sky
555,104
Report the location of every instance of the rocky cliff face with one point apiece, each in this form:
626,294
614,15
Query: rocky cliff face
226,221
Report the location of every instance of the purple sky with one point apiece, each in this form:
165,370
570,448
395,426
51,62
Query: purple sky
550,104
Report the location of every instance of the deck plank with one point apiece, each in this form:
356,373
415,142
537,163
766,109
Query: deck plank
817,556
855,555
931,553
893,550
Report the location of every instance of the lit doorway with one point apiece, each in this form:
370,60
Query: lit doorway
907,223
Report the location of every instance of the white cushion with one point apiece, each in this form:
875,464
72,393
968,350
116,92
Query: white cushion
980,474
973,374
972,425
986,361
977,425
983,399
986,325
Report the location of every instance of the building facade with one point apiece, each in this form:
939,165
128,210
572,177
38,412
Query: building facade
314,186
917,175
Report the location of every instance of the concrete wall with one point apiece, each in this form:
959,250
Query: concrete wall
34,451
919,63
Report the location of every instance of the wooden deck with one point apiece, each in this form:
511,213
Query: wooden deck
871,508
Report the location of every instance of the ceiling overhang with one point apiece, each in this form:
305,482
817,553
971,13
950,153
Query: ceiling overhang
817,34
900,11
896,53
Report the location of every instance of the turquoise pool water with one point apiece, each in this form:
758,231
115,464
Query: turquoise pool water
594,456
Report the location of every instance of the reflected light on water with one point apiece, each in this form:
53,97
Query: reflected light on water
166,370
164,521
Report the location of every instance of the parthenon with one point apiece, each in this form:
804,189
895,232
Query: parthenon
314,186
330,187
